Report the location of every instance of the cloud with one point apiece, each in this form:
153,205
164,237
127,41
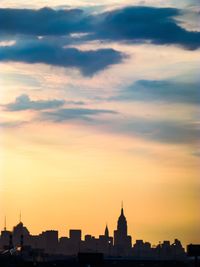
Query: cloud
146,24
65,114
45,21
39,51
196,153
134,24
23,102
161,90
163,131
12,124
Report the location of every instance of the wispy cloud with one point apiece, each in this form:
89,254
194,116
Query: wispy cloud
163,131
161,90
12,124
169,131
65,114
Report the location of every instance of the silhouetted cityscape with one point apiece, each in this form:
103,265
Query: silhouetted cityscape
19,240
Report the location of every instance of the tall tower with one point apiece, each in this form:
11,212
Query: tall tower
122,224
122,241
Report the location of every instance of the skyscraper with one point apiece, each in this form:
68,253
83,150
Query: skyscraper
122,241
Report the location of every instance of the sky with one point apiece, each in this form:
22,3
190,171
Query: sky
99,104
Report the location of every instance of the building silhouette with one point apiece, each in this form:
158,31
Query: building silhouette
49,243
122,241
20,235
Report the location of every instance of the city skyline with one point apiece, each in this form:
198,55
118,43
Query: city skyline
105,229
120,244
99,103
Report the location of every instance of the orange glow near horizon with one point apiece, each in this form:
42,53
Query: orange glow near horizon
80,183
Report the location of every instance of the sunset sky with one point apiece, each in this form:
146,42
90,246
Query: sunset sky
99,103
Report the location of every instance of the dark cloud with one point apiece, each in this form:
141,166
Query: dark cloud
45,21
131,24
39,51
161,90
66,114
23,102
141,24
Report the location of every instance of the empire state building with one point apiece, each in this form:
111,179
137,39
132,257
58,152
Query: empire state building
122,241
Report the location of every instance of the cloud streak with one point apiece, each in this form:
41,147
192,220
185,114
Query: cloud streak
163,131
167,131
23,102
161,91
66,114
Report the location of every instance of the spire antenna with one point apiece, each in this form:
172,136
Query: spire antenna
122,208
